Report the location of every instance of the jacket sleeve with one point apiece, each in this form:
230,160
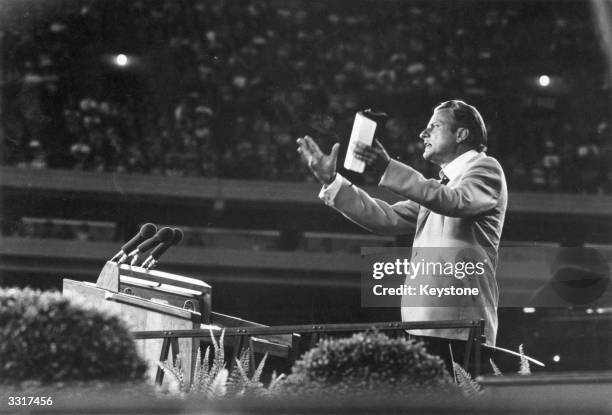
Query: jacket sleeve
477,191
373,214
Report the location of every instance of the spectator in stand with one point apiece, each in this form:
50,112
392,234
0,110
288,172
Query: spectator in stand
234,79
82,232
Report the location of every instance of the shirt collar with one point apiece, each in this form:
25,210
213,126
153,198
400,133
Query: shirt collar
457,166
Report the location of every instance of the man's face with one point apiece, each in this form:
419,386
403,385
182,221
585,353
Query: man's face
439,139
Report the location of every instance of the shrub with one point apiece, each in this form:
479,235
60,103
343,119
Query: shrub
48,338
367,362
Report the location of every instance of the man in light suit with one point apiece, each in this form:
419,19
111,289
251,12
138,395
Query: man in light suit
465,208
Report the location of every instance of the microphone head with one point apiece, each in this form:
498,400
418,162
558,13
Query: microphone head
178,236
165,235
148,230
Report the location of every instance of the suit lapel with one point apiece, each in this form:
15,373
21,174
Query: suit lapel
424,212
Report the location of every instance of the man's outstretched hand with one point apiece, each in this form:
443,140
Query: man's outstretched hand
323,166
375,156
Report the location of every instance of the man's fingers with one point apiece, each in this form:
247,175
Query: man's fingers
364,150
302,143
302,154
304,149
367,154
311,153
364,157
380,149
334,151
312,146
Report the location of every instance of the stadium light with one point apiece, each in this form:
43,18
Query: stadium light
121,60
544,80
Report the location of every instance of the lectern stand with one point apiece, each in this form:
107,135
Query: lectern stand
148,300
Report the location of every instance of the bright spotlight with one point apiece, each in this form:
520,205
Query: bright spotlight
544,80
121,59
556,358
529,310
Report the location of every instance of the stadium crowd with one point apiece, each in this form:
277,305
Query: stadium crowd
223,88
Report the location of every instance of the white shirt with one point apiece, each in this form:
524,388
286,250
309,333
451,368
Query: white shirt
458,165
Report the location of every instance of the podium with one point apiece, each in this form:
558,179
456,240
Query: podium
150,300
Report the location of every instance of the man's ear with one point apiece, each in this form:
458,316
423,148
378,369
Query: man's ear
462,134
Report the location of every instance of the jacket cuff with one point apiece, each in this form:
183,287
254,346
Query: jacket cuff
389,177
329,192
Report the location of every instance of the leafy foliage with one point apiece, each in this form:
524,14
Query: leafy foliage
496,370
470,388
214,381
253,385
366,362
48,338
525,368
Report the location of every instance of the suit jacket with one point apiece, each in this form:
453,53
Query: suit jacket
467,212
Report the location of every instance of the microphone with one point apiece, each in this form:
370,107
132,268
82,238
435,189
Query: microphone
164,234
153,258
146,231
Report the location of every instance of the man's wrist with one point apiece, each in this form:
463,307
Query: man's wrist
382,167
333,177
386,165
385,172
330,190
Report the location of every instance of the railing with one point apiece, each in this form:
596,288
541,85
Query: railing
114,185
241,336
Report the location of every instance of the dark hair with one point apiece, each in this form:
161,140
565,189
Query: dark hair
467,116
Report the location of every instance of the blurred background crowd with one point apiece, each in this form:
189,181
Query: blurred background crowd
223,88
